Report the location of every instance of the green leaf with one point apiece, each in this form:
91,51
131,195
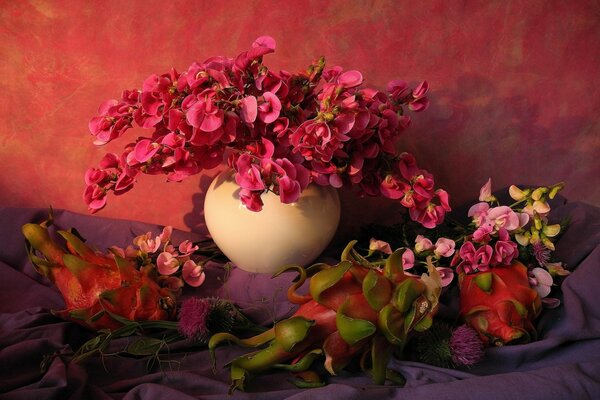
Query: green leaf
145,346
391,322
326,278
406,293
353,330
380,356
484,281
393,268
377,290
292,331
303,364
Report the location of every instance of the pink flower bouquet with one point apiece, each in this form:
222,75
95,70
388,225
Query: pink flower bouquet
278,131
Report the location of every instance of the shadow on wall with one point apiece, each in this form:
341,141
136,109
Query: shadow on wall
479,129
194,219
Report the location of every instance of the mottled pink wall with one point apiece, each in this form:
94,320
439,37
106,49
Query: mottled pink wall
514,86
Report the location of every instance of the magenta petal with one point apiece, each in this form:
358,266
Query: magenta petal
265,41
212,122
193,274
145,150
350,79
248,109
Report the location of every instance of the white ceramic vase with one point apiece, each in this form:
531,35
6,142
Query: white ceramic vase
279,234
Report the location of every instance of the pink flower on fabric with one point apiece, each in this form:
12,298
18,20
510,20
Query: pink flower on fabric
541,281
193,274
167,263
422,244
147,243
166,233
380,245
187,247
444,247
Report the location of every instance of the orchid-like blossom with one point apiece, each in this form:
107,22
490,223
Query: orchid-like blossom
408,259
485,193
444,247
167,263
147,243
447,275
187,247
541,281
474,259
193,274
505,250
379,245
422,244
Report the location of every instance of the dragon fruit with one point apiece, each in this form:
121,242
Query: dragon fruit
98,289
500,304
353,309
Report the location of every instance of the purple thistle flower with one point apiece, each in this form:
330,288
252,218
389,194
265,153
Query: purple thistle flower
541,253
193,318
466,346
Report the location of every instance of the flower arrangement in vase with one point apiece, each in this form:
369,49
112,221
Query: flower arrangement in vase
278,131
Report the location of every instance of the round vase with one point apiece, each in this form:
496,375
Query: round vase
279,234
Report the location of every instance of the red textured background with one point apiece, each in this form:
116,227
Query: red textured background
514,87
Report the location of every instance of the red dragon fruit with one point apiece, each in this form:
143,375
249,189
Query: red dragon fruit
353,309
500,304
98,289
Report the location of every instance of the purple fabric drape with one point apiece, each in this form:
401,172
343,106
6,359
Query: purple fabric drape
564,363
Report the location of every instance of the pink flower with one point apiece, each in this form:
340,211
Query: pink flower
187,247
167,263
478,212
541,281
193,273
193,318
269,108
248,175
380,245
147,243
503,217
422,244
249,109
408,259
505,250
392,188
289,190
447,275
485,194
251,200
444,247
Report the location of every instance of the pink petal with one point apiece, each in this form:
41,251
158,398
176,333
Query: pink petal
350,79
248,109
212,122
193,274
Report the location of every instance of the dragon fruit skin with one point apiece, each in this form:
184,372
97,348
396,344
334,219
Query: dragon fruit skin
352,309
96,287
500,304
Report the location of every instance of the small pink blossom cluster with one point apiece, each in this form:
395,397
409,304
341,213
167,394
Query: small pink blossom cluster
490,244
171,265
424,251
278,131
498,231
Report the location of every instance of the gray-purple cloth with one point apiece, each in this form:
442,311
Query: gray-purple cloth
564,363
